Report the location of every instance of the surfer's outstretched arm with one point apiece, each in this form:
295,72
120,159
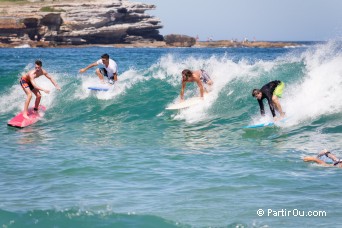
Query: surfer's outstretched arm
316,160
336,162
88,67
182,90
53,81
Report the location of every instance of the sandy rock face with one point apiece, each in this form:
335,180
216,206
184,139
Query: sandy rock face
76,22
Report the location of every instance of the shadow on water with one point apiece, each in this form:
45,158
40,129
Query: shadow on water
262,133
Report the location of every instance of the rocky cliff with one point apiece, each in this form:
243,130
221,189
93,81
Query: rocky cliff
58,22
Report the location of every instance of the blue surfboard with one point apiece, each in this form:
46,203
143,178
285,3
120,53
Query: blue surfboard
98,88
267,124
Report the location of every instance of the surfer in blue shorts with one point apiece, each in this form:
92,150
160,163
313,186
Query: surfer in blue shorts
29,86
199,76
325,153
107,69
271,92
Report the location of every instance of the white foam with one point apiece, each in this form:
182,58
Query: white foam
14,100
221,70
320,91
125,81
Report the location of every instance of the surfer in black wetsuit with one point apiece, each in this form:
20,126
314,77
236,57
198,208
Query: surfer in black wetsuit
271,91
336,162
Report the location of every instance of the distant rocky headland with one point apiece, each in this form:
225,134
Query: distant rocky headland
118,23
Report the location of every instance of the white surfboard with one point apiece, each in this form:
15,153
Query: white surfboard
185,104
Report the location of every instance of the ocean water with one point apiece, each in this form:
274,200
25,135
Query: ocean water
119,159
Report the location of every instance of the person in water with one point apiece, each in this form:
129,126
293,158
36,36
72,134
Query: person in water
108,68
199,76
27,82
336,162
271,91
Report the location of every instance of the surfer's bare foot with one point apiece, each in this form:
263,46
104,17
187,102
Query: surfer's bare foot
37,112
26,116
282,117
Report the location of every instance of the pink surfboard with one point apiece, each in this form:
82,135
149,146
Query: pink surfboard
20,122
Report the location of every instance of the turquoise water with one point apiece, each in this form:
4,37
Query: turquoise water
119,159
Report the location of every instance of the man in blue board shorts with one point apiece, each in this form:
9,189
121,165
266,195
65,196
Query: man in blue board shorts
198,76
336,162
271,91
108,68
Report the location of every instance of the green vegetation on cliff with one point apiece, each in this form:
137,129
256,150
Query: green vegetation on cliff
13,0
50,9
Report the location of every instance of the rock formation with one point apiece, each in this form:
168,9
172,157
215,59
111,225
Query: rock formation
68,22
179,40
121,23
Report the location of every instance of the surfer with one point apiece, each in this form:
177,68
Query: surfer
108,68
198,76
336,162
271,91
28,84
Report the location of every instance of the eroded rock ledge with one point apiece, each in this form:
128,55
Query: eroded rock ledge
58,22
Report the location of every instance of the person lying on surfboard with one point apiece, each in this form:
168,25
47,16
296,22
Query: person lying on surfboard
335,161
28,84
271,91
108,68
198,76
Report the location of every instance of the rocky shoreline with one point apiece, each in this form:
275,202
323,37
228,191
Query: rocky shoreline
248,44
162,44
115,23
53,23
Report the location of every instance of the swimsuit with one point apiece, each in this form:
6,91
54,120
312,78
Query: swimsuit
279,89
108,71
204,77
24,83
337,162
104,72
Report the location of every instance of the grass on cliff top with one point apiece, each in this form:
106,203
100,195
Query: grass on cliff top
13,1
50,9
